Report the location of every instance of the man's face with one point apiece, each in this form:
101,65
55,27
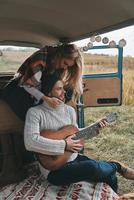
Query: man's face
58,90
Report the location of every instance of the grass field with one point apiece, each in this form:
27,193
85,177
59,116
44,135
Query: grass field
116,141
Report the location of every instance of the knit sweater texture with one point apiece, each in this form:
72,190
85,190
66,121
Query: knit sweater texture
43,117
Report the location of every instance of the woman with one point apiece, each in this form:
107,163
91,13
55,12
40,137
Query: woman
24,91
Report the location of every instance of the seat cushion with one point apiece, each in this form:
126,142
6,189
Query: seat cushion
9,122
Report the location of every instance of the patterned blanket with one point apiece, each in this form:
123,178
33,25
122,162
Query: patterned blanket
35,187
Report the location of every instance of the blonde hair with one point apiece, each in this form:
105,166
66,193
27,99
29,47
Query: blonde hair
73,76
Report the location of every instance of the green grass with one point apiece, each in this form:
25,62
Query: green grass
114,142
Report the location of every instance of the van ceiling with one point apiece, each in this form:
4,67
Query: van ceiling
41,22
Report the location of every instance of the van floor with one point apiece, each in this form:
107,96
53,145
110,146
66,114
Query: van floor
36,187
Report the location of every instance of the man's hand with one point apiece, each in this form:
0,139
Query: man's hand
74,145
103,123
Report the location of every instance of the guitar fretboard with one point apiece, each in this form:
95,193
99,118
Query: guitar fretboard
88,132
93,129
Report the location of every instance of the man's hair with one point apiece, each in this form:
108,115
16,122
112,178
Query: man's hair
48,82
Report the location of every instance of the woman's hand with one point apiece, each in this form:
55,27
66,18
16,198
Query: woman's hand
52,101
74,145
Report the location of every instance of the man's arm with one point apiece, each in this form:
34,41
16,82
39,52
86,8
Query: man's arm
34,141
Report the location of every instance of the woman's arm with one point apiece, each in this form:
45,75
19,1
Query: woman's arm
34,92
52,101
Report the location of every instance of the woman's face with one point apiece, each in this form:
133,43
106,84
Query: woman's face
64,63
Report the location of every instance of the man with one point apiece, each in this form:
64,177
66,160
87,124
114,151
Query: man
78,167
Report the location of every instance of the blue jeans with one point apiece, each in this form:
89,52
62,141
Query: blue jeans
85,169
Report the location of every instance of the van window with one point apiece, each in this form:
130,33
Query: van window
12,57
100,61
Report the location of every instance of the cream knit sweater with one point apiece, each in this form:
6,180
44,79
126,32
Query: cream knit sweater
44,117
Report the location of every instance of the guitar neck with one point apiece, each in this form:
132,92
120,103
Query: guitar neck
88,132
93,129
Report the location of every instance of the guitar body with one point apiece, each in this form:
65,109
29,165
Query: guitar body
54,162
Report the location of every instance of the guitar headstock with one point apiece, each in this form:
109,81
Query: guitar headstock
111,117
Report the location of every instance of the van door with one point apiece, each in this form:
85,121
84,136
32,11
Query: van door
102,79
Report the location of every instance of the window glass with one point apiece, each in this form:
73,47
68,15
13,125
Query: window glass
100,61
12,57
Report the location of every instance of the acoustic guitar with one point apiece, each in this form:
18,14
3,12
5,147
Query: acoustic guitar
54,162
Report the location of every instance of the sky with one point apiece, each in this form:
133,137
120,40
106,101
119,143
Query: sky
126,33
